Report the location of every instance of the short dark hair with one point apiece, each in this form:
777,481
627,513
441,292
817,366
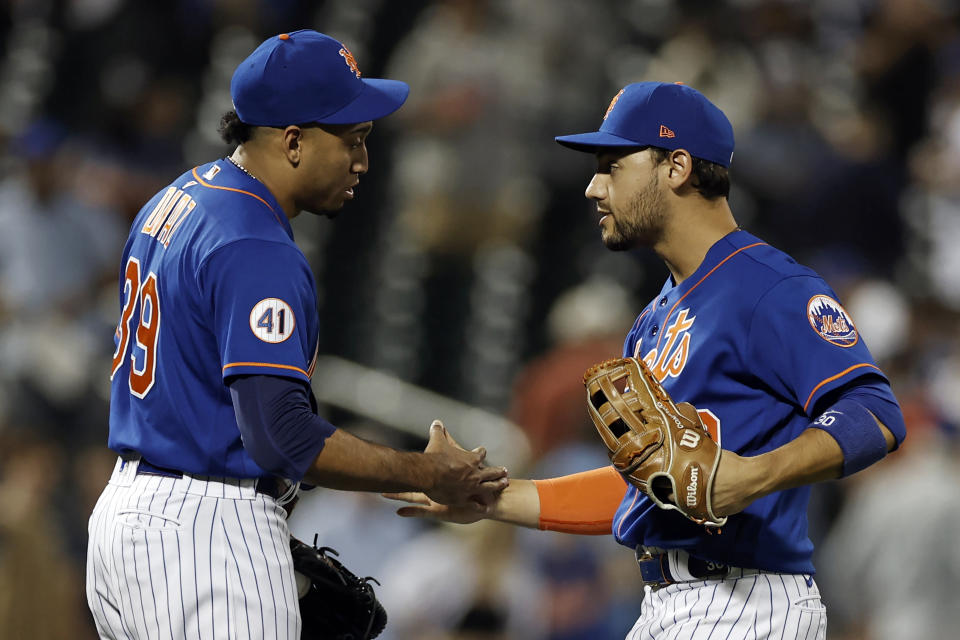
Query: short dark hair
233,130
711,179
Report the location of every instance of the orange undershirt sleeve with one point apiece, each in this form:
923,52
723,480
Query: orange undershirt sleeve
583,503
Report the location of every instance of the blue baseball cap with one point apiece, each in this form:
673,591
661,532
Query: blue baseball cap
306,76
661,114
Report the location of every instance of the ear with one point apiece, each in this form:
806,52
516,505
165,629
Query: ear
292,141
679,169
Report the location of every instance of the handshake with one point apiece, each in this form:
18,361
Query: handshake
461,478
659,446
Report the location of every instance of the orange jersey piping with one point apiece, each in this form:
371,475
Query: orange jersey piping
707,275
264,364
839,375
252,195
645,312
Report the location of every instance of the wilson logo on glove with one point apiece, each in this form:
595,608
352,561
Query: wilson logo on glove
692,487
690,439
660,447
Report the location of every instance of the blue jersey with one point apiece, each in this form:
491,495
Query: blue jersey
211,286
753,340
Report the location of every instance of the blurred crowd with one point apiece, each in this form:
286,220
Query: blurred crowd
471,264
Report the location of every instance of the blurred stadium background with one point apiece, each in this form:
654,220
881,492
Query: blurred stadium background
468,279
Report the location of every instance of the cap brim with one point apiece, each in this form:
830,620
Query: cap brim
378,98
595,140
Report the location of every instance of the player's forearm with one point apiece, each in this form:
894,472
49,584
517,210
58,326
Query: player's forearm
813,457
352,464
519,504
582,503
561,504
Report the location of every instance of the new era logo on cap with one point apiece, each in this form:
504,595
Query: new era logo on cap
636,117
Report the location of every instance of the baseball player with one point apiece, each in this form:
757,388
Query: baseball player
211,411
759,344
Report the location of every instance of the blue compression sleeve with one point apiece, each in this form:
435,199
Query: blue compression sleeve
849,422
878,398
279,430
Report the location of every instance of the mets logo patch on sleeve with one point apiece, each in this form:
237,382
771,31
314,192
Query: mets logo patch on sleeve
272,320
831,321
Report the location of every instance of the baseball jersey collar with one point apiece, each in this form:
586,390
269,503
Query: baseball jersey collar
721,250
246,183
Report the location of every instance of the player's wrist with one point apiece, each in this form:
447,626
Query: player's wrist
760,478
443,478
759,475
518,504
739,481
434,467
425,471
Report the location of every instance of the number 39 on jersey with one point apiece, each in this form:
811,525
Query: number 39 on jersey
141,294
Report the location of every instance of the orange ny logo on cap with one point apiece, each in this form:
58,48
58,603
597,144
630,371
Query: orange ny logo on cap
350,60
612,102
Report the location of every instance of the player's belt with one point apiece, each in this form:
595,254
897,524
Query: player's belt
660,567
274,487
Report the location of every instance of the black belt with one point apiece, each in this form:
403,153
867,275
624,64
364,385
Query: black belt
271,486
655,568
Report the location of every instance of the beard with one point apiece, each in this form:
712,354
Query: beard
641,221
322,213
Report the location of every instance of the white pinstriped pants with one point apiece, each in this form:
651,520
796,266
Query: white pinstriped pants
761,606
179,558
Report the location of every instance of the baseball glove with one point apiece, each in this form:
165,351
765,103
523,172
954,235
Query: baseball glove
337,605
658,446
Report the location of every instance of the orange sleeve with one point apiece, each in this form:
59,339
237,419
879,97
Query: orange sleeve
582,503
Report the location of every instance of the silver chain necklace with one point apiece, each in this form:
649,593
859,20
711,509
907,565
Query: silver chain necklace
242,168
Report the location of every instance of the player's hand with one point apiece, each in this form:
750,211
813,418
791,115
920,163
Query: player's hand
461,477
733,491
424,507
